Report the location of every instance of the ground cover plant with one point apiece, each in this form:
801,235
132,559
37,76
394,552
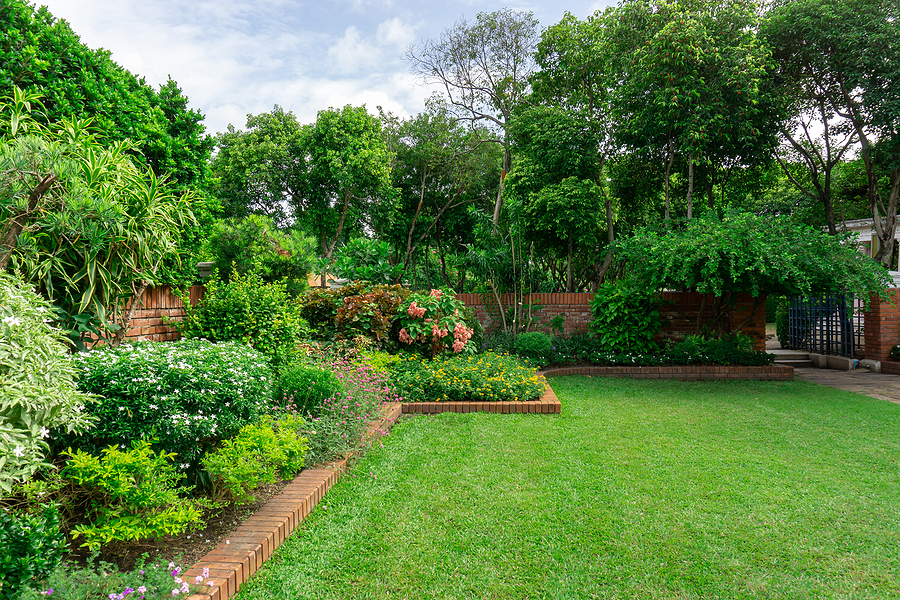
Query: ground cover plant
639,489
486,377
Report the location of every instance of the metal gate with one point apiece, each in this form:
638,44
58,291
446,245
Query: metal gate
827,325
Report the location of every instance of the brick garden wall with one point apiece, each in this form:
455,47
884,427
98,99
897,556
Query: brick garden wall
156,303
679,313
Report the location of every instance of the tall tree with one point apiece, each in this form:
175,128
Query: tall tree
484,68
691,75
349,176
842,59
440,168
40,52
554,185
576,74
262,169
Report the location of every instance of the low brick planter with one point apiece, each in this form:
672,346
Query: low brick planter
688,372
890,367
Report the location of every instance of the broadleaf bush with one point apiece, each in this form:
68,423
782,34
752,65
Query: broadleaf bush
260,453
132,495
250,310
304,388
186,395
38,392
31,545
625,318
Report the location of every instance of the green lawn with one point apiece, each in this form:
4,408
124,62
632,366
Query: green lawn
640,489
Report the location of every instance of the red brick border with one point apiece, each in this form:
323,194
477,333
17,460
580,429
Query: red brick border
688,372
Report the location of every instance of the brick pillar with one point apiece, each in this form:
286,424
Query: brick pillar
756,326
882,326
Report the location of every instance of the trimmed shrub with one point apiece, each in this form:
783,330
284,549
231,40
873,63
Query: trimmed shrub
482,377
249,310
30,547
535,347
37,387
258,454
303,388
185,395
130,495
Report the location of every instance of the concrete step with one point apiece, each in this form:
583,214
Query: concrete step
797,364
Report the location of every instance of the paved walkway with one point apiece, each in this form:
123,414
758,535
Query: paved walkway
861,381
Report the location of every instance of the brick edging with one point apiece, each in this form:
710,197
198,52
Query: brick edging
245,550
689,372
890,367
548,404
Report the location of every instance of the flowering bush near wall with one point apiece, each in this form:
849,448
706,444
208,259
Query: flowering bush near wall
37,390
433,324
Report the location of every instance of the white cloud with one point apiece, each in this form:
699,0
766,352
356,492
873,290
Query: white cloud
352,53
395,32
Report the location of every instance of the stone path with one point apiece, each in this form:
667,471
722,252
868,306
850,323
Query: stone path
861,381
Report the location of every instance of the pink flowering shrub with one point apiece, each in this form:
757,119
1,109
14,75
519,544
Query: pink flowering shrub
432,323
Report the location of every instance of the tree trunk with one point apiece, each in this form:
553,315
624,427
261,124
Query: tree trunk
14,227
671,157
569,266
498,205
690,192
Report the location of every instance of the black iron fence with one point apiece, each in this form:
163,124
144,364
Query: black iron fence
827,325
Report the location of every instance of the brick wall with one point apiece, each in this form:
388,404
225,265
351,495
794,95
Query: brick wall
156,303
679,313
882,328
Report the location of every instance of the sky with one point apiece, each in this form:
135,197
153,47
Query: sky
232,58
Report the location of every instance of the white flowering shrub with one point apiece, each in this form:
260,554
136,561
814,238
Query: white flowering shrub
187,395
38,394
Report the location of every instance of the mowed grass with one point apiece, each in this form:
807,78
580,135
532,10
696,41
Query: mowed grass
640,489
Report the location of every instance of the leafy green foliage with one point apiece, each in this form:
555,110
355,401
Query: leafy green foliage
355,309
259,453
132,495
743,252
98,579
38,392
364,259
40,52
433,324
304,388
186,395
625,318
84,223
535,347
736,349
254,244
484,377
30,547
250,310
